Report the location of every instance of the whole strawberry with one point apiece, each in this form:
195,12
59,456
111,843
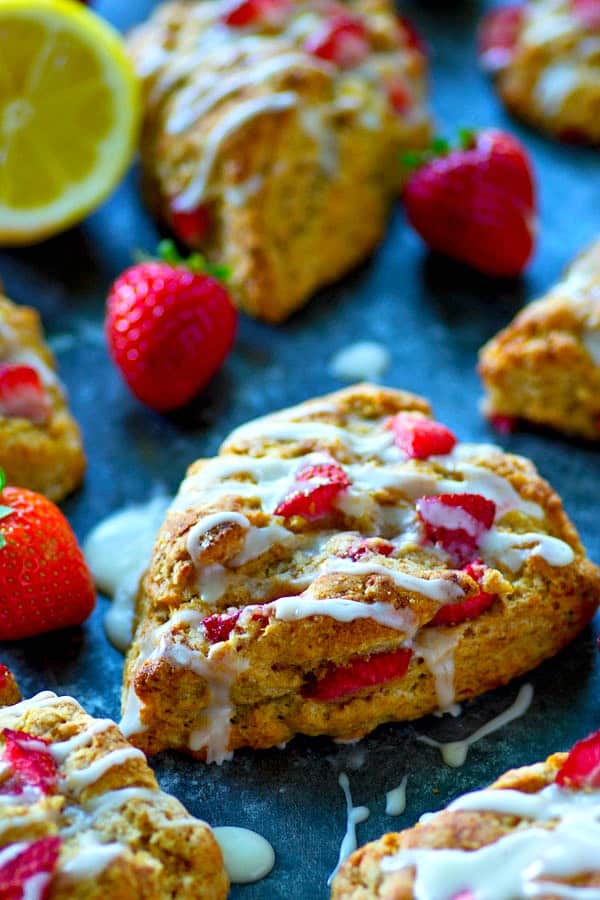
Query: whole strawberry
169,326
44,580
476,203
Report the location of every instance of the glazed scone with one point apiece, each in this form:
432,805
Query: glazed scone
534,833
341,564
40,443
262,150
81,814
546,64
545,366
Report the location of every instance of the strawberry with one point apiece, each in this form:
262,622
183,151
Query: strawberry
22,394
457,522
342,40
410,35
498,34
44,580
27,874
399,95
169,327
588,13
219,626
4,674
362,673
314,492
367,548
477,203
419,437
472,607
191,227
31,764
581,769
503,424
252,12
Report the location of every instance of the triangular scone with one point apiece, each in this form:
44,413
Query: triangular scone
550,77
533,833
271,159
82,812
545,366
256,622
44,455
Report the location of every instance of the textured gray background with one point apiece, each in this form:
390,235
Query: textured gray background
433,316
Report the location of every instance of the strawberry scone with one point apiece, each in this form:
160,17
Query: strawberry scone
40,443
534,833
81,814
272,134
545,59
545,365
9,689
341,564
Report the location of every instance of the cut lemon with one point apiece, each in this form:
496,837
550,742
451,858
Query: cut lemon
69,110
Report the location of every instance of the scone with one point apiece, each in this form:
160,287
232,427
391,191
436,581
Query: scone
9,690
341,564
545,366
545,58
272,135
534,833
40,443
81,814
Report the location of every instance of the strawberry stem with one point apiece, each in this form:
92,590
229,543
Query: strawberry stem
168,253
440,146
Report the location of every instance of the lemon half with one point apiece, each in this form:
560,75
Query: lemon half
69,113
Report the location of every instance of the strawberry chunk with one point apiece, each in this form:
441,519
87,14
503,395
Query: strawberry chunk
314,492
31,763
4,673
588,13
191,227
219,626
581,769
35,861
457,522
419,437
342,40
22,394
498,35
253,12
456,613
504,424
366,672
367,548
410,35
399,96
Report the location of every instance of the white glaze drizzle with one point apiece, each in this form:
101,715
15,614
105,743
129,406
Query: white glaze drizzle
454,753
248,856
437,646
395,800
363,361
513,550
355,815
80,779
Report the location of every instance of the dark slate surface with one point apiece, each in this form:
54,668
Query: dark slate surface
433,316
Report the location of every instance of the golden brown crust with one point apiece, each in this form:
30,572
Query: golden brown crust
540,367
552,79
266,664
9,689
361,876
46,458
286,183
164,852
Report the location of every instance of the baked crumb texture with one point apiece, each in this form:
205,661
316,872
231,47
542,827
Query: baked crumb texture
253,625
551,79
522,832
545,366
47,457
67,776
9,690
294,159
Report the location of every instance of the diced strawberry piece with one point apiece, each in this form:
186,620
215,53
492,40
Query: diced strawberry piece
362,673
419,437
22,394
498,35
588,13
191,227
342,40
219,626
37,860
31,764
252,12
411,36
455,613
581,769
4,673
457,522
399,96
503,424
323,484
368,547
